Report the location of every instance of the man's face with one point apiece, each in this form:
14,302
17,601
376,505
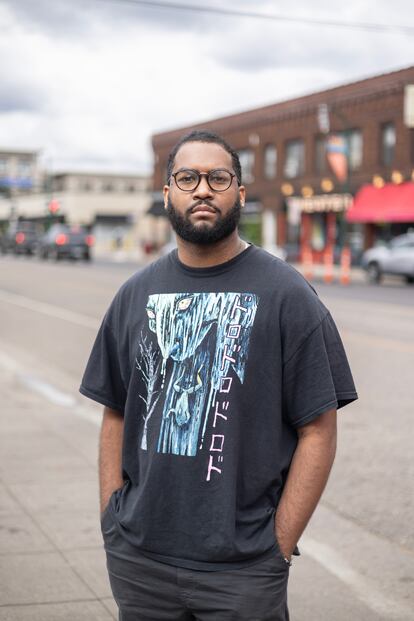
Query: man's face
203,216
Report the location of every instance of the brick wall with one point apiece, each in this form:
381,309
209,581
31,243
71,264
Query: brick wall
364,105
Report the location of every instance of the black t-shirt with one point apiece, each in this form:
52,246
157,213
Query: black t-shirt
213,370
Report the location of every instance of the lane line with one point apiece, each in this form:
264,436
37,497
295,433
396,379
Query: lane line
85,321
382,342
376,600
49,392
347,306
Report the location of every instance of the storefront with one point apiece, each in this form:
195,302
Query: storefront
317,223
384,212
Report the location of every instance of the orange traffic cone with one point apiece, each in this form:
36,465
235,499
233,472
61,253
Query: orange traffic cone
307,261
345,266
328,261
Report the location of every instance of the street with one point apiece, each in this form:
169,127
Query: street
357,554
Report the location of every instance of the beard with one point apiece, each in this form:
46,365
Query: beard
205,233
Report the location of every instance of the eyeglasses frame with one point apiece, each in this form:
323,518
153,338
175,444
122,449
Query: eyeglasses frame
200,175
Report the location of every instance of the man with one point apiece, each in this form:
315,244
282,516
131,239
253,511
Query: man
221,372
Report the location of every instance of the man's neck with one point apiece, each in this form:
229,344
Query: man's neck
196,255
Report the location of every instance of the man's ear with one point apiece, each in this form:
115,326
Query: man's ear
242,195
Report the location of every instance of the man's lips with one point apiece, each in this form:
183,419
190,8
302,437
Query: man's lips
203,208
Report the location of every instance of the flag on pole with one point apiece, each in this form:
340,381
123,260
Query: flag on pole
336,153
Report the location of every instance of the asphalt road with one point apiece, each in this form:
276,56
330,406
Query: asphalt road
358,551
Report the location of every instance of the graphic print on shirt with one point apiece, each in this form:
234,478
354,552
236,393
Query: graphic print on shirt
200,347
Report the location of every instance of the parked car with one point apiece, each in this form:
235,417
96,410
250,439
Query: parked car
62,241
395,257
20,238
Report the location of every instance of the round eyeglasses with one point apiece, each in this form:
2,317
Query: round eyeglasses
188,179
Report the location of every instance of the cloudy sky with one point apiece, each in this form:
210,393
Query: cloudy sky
88,81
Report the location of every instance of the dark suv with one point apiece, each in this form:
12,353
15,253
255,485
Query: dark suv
20,238
62,241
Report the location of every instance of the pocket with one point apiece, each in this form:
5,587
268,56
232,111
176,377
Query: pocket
107,522
105,513
107,518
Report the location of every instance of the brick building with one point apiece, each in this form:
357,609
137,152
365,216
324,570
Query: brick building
298,189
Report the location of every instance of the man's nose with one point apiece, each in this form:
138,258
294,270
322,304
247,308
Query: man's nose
203,190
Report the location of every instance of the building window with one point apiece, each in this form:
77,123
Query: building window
294,159
23,168
3,165
270,161
107,187
57,184
131,188
86,186
388,141
246,157
355,148
320,154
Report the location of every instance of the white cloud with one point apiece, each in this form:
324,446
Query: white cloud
91,84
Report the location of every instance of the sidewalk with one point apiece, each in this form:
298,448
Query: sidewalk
52,563
357,274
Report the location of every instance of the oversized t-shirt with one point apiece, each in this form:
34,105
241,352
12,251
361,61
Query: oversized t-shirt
213,369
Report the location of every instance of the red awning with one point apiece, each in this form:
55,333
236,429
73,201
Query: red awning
392,203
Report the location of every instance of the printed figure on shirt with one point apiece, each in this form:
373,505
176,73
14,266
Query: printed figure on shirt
200,338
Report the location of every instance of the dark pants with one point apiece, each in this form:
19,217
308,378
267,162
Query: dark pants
147,590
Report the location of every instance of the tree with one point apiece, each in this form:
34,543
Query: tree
148,363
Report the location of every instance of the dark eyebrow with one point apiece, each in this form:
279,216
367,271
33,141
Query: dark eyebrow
198,172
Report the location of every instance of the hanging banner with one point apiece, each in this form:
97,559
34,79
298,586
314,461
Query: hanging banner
336,153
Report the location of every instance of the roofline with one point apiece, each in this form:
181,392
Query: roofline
82,173
371,86
19,151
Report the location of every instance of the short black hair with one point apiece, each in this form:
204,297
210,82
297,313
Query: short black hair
204,135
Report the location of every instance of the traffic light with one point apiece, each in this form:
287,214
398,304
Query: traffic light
53,206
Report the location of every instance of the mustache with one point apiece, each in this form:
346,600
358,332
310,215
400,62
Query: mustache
202,202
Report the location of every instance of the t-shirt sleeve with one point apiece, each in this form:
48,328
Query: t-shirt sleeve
317,377
102,380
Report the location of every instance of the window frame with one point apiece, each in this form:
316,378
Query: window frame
270,147
301,161
383,129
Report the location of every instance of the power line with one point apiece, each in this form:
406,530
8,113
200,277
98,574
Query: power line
268,16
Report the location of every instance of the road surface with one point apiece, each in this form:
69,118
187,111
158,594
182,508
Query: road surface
358,551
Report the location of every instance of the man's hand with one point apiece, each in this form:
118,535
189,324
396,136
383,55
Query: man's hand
110,455
308,475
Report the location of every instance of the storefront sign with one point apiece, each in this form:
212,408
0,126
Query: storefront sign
319,203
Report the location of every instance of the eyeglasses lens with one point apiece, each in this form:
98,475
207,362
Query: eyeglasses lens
219,180
186,180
